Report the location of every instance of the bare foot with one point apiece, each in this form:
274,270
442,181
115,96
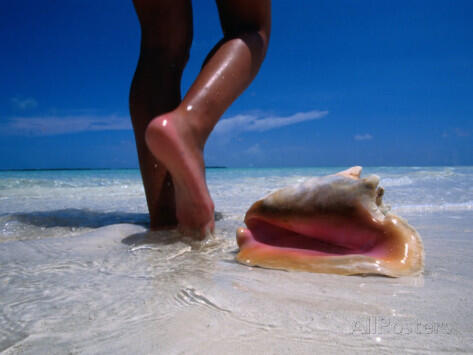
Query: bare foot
172,141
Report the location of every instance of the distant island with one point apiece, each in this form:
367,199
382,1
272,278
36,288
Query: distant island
59,169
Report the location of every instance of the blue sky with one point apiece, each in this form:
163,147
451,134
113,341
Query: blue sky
344,82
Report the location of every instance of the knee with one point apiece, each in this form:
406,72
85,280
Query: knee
256,41
258,35
165,49
246,19
263,39
264,34
254,35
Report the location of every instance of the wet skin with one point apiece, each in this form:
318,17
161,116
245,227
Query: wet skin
171,133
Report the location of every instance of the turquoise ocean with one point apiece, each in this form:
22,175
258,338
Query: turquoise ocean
79,271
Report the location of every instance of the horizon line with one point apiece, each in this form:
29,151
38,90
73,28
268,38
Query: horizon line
247,167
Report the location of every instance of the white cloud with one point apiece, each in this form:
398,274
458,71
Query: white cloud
24,104
459,132
240,123
54,125
62,124
254,150
363,137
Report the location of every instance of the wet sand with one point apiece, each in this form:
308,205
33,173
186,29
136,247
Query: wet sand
120,289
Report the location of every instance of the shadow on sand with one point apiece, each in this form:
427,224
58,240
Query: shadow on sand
73,217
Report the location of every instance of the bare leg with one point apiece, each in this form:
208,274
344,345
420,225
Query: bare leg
177,138
166,28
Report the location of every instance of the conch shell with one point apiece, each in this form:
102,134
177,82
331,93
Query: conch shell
333,224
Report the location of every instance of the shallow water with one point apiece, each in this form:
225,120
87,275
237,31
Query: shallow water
80,273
